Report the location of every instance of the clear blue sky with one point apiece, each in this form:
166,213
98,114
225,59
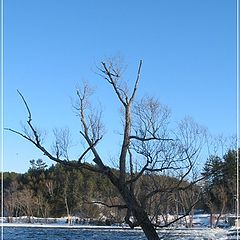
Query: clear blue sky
188,49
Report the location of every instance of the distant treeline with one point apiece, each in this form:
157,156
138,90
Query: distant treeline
58,191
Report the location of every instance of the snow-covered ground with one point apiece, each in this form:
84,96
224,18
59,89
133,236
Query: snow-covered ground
59,225
198,220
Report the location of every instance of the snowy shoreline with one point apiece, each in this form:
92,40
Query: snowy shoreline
53,225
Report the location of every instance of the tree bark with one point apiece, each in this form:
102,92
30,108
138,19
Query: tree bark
135,208
148,228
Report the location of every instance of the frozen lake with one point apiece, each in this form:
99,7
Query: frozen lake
11,232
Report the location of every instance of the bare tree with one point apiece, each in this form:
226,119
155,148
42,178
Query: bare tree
26,202
149,147
11,200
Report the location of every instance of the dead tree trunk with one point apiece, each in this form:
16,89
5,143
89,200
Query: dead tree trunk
134,208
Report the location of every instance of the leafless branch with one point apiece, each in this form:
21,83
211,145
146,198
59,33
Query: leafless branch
62,141
143,139
87,150
179,218
119,206
136,82
109,77
36,136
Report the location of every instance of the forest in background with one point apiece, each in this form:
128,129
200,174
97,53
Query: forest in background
58,191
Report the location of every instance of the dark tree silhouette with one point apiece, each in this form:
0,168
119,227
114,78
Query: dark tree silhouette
149,147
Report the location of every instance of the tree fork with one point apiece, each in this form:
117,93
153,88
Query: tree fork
132,205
